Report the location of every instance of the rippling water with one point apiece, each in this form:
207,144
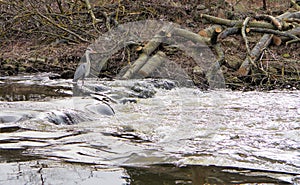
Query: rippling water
185,127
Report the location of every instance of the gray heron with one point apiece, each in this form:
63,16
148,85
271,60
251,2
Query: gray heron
83,70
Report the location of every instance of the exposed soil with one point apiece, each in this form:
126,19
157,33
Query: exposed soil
31,52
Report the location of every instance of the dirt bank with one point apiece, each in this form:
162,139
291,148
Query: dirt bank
32,43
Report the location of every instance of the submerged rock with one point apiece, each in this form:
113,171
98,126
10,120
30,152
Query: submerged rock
164,84
101,108
9,117
143,90
128,100
58,117
65,117
8,128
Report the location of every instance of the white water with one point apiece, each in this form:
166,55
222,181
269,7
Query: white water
253,130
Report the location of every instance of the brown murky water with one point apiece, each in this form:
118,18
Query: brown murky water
177,136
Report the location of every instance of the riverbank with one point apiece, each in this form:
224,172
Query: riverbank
35,46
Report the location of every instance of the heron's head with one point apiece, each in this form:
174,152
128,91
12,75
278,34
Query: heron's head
90,51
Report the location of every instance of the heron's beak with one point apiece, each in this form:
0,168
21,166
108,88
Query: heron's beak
91,51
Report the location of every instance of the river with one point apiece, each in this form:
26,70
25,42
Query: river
145,132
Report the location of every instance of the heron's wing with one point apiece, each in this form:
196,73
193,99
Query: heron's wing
80,72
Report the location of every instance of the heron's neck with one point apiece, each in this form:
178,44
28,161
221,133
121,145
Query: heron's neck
88,63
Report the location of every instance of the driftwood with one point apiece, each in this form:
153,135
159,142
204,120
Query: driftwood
234,23
147,50
208,32
277,24
146,64
153,63
259,47
211,32
135,67
190,35
294,31
290,34
275,29
276,32
253,24
229,31
254,54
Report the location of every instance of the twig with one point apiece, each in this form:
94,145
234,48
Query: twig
295,5
295,20
276,22
249,57
279,33
60,6
62,28
90,11
275,32
292,41
244,34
